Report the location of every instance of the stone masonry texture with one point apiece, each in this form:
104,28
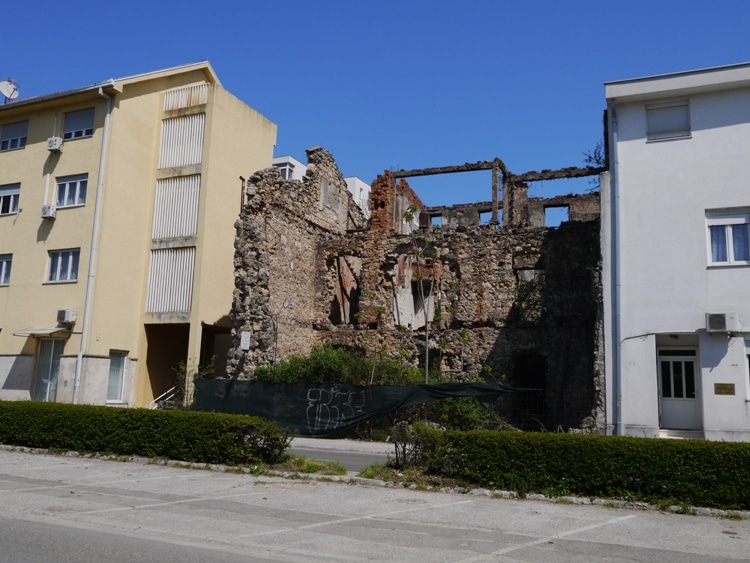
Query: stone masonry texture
518,303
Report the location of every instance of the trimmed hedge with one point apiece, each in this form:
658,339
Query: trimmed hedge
174,434
687,472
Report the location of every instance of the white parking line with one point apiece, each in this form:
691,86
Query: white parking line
547,539
357,518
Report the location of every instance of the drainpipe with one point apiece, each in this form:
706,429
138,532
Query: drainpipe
615,249
86,321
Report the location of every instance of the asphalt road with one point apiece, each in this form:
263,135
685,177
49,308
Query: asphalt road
58,508
354,455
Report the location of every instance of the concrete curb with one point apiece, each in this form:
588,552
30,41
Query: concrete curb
352,479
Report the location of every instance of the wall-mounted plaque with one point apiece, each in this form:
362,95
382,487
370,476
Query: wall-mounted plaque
723,388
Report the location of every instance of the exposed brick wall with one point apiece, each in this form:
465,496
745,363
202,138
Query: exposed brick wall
389,201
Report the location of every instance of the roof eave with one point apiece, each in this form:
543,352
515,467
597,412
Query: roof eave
679,83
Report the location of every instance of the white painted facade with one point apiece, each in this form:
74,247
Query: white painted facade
671,194
360,191
292,169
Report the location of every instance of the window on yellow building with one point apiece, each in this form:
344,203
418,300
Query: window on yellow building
13,136
63,265
71,190
5,262
78,124
9,198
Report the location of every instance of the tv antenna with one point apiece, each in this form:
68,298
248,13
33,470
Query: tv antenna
9,89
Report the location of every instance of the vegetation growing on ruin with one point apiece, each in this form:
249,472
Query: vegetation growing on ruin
326,364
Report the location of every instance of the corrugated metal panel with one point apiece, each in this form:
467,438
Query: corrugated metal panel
186,97
181,140
176,207
170,280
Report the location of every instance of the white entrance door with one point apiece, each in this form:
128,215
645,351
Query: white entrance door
679,405
47,368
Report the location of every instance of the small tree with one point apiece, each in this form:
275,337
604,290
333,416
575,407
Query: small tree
418,251
596,158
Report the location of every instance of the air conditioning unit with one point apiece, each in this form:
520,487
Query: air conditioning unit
49,211
55,144
66,316
722,322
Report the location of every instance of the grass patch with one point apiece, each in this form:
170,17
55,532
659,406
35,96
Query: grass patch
413,477
301,464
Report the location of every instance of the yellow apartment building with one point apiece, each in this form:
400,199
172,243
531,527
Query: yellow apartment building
117,210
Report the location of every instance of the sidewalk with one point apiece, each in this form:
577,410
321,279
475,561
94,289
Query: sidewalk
343,445
71,509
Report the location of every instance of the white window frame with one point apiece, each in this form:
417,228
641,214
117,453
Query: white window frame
74,186
13,135
6,261
663,134
82,126
63,265
731,220
9,194
116,377
286,169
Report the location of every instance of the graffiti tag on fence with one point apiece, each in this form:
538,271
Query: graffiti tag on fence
328,408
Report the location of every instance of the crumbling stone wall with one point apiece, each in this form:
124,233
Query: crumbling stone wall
518,302
502,295
277,251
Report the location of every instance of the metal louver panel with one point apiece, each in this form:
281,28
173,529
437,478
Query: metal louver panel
176,207
186,97
181,140
170,280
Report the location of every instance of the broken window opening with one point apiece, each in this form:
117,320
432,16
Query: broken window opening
437,221
529,372
345,303
555,216
423,298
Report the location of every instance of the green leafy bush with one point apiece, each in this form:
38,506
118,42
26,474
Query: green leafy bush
326,364
698,473
175,434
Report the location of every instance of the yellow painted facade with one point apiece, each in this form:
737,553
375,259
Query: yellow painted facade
162,194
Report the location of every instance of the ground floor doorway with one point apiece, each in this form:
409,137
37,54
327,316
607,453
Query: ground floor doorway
679,389
166,348
47,369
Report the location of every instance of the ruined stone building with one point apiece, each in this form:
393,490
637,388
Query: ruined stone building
509,301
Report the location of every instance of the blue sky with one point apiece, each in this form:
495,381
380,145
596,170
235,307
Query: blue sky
392,84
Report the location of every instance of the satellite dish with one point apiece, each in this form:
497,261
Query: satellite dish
9,89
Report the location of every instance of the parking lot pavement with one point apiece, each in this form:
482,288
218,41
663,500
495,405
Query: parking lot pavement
70,509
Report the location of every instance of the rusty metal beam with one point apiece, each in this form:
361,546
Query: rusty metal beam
495,197
562,173
468,167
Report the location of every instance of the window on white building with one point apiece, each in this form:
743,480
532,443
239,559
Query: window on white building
668,120
9,198
78,124
286,169
63,265
116,376
71,190
728,237
5,263
13,136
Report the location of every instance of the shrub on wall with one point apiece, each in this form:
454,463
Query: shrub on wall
326,364
688,472
181,435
